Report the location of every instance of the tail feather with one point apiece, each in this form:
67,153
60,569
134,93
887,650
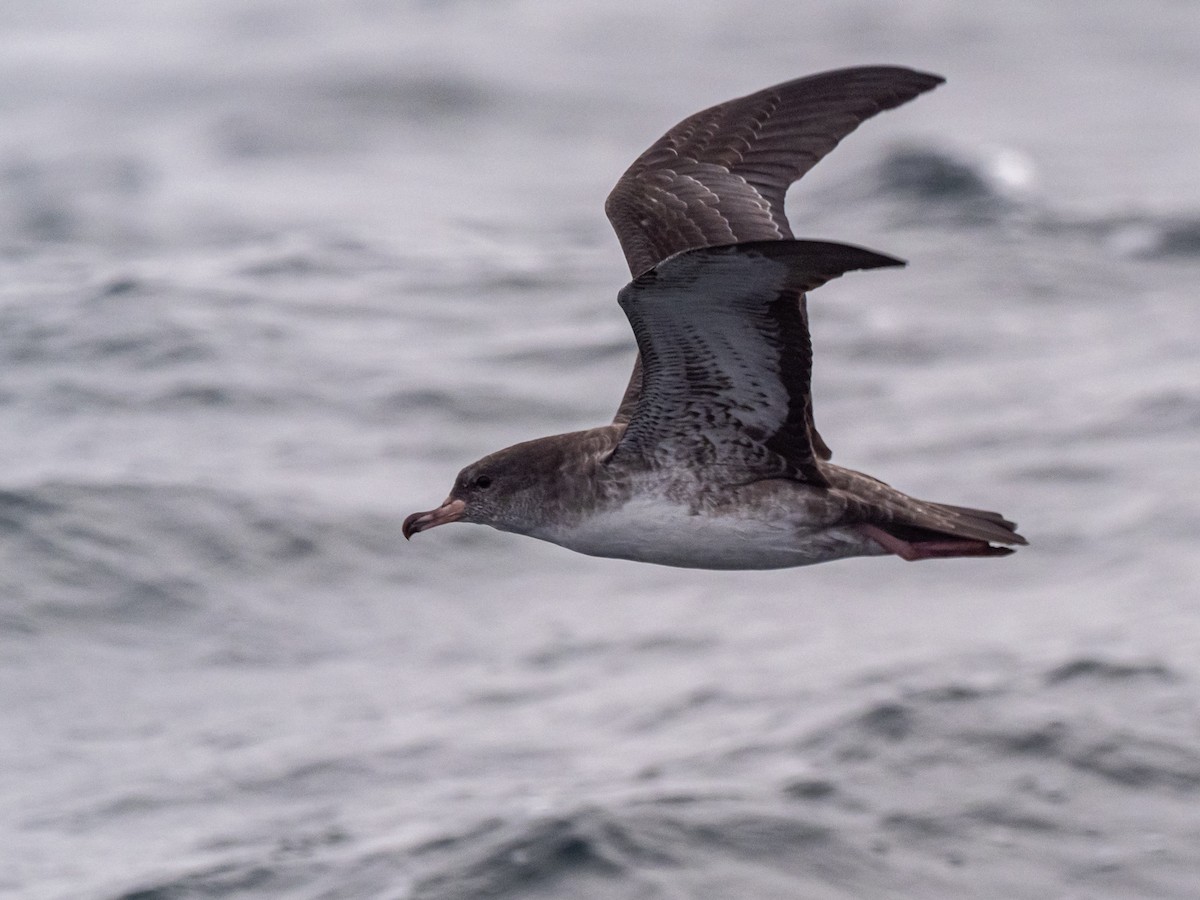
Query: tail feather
978,513
938,521
938,529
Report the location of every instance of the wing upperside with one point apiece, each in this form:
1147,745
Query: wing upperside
720,175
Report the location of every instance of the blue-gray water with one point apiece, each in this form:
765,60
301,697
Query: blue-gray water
272,271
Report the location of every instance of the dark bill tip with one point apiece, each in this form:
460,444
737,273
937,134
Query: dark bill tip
450,511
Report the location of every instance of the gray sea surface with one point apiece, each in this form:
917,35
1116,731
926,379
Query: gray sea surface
273,271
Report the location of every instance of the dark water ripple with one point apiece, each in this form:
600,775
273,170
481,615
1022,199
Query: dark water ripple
922,790
851,829
133,553
938,187
934,182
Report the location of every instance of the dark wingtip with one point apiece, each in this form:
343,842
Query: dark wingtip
930,78
892,85
872,259
810,263
917,79
815,262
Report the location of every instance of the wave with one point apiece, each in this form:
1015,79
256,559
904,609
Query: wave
938,186
1139,235
153,555
933,788
977,189
77,195
901,791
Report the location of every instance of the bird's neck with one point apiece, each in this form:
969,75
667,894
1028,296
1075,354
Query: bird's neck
581,482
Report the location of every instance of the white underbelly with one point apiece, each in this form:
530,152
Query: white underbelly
672,535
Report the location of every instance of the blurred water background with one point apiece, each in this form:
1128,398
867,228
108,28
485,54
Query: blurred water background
272,271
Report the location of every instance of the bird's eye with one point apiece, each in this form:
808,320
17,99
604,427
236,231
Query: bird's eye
483,482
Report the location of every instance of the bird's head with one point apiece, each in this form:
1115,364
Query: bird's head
506,489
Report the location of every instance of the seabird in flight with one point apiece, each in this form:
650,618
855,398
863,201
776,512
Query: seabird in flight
712,460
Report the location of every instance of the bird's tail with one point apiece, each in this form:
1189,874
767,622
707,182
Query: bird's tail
939,530
919,529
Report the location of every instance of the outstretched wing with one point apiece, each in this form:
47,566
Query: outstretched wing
720,176
726,357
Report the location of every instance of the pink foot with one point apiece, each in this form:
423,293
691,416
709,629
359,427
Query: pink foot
915,550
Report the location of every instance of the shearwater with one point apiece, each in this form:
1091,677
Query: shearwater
713,460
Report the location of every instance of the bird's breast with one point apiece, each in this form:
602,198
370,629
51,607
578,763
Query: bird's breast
752,535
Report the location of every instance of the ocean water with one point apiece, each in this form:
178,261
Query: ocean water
273,271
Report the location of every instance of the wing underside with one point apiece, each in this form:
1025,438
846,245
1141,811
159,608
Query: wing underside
726,357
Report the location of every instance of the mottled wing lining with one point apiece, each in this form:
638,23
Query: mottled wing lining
820,448
629,399
726,357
